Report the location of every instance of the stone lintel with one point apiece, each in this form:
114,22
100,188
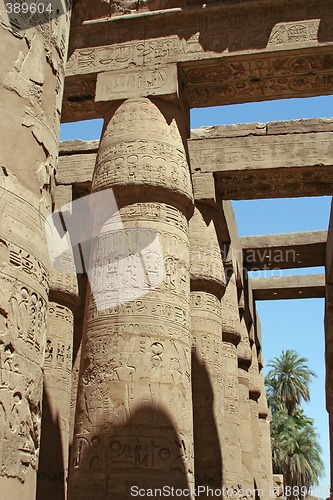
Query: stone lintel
284,251
287,159
289,287
228,53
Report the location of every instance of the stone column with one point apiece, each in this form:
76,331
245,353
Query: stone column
77,351
244,361
231,450
31,76
207,287
134,408
254,395
53,460
265,441
329,365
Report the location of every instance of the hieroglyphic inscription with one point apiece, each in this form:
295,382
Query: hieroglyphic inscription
136,83
22,343
259,79
132,151
117,272
207,36
58,348
306,181
146,162
266,152
232,465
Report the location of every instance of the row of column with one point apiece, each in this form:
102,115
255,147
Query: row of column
152,274
134,409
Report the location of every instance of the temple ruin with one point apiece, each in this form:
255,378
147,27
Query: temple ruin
130,346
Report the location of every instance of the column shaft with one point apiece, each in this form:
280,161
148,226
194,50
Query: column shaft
207,285
134,410
31,76
231,455
53,460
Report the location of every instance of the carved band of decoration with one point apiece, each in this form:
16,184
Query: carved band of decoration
264,78
133,415
265,184
217,79
202,34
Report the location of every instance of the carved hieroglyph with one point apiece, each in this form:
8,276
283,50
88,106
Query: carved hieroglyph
31,76
207,286
134,408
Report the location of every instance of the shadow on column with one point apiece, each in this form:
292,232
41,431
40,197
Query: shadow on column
207,446
144,453
51,474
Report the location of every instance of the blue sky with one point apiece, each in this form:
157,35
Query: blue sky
286,324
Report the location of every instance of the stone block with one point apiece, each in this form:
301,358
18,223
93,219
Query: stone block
114,85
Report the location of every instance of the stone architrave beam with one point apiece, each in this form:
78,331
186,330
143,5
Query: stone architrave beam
289,287
273,160
284,251
225,53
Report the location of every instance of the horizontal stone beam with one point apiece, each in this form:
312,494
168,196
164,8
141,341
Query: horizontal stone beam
225,53
289,287
284,251
274,160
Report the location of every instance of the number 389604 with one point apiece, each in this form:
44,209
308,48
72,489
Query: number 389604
28,8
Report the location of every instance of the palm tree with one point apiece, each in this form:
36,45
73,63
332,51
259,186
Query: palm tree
289,378
295,448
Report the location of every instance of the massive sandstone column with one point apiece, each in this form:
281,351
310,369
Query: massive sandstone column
244,361
31,76
53,460
265,461
134,408
231,451
329,364
207,287
254,394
